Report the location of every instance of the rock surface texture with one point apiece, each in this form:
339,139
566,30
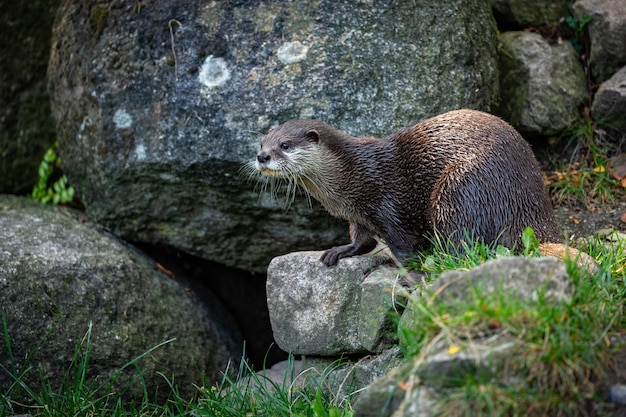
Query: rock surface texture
417,388
159,104
524,13
316,311
58,277
544,84
609,104
607,34
321,311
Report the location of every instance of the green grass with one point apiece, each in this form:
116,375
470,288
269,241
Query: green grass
251,394
242,394
585,179
563,349
444,256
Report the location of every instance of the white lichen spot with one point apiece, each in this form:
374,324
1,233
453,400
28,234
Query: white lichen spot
167,177
122,119
307,113
263,122
85,123
140,152
292,52
214,72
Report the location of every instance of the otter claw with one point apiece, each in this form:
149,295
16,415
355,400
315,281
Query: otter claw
330,257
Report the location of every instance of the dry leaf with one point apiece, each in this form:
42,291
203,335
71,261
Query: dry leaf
573,219
617,167
166,271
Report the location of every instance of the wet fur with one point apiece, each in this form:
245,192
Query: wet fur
460,171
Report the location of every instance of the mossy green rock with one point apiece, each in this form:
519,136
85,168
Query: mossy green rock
159,104
59,276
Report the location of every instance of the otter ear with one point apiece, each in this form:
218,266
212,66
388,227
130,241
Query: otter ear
312,135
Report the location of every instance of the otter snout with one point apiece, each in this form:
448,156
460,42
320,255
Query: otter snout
263,158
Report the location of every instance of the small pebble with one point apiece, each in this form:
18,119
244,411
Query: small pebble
618,394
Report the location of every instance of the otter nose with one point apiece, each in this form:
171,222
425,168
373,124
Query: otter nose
263,158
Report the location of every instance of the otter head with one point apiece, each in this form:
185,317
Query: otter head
287,150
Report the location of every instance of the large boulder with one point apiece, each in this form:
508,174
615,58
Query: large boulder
26,126
159,104
59,278
607,33
544,84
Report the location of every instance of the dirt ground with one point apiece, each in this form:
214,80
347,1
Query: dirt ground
576,223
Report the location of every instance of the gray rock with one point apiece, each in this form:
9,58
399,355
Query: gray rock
26,126
609,104
486,357
59,276
381,297
607,32
525,13
317,310
344,378
282,374
417,388
519,276
544,84
522,276
158,105
397,394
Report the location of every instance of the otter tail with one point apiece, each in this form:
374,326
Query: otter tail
561,251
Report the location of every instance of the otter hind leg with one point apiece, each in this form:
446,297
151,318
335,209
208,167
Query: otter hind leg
362,242
466,204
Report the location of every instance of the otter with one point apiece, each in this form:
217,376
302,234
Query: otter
462,174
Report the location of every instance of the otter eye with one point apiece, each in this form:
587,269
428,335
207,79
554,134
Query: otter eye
285,146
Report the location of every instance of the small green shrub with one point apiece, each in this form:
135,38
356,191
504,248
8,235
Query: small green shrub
59,192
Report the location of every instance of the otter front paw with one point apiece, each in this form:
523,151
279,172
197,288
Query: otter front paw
331,256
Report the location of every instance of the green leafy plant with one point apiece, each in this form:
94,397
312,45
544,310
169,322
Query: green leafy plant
530,242
578,25
57,192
